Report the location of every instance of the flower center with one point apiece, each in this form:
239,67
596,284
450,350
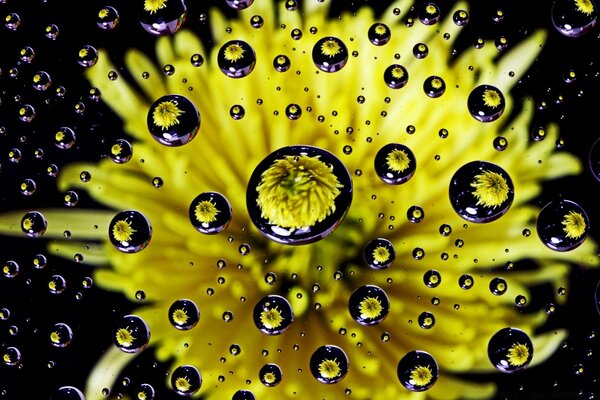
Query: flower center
491,189
574,225
518,354
122,231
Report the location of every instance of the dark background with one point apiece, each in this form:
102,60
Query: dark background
34,310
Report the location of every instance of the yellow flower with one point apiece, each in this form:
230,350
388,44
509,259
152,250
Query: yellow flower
223,157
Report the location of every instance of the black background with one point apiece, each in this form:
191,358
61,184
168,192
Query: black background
34,310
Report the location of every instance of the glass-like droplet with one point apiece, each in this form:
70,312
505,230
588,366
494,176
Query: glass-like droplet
434,86
61,335
52,31
236,59
145,392
281,63
121,151
197,60
40,261
27,54
395,163
239,4
330,54
594,159
329,364
235,349
417,371
11,355
64,138
562,225
11,269
486,103
308,215
432,278
510,350
368,305
237,112
163,17
210,213
445,230
131,334
466,281
481,191
426,320
420,51
520,300
173,120
41,81
68,393
429,13
28,187
291,5
256,21
12,21
87,56
184,314
574,18
186,380
538,134
273,314
379,253
27,113
415,214
500,143
57,284
243,395
379,34
498,286
107,18
293,111
270,375
395,76
130,231
34,224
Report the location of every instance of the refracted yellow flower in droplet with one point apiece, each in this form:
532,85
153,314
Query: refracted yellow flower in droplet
574,225
491,189
330,48
124,337
27,224
380,29
233,52
59,135
370,308
271,318
584,6
116,149
103,13
430,9
518,354
206,212
183,384
397,72
381,254
421,375
491,98
329,369
269,378
152,6
122,230
55,337
180,316
165,114
397,160
436,83
83,52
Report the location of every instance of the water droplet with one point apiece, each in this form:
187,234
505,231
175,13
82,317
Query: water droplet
395,76
281,63
270,375
420,51
210,213
41,81
329,364
237,112
395,163
520,300
379,253
52,31
145,392
379,34
498,286
500,143
173,120
28,187
121,151
293,111
61,335
273,315
417,371
107,18
34,224
429,13
562,225
12,21
283,218
64,138
11,269
368,305
434,86
486,103
481,191
239,4
131,334
186,380
574,18
510,350
330,54
27,113
426,320
68,393
184,314
432,278
243,395
57,284
130,231
87,56
256,21
236,59
163,17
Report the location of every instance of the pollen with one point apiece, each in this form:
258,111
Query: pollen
397,73
233,52
330,48
182,384
380,29
584,6
397,160
152,6
180,317
491,189
122,231
574,225
329,368
518,354
116,149
381,254
124,337
370,308
165,114
491,98
271,318
206,212
297,192
421,375
55,337
27,224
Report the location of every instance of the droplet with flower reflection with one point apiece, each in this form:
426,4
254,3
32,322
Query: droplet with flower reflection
273,314
107,18
239,4
368,305
173,120
510,350
236,59
429,13
130,231
486,103
329,364
330,54
162,17
210,213
34,224
395,76
243,394
67,393
41,81
466,281
11,355
594,159
64,138
131,334
574,18
562,225
87,56
186,380
298,194
417,371
270,375
481,191
184,314
379,253
121,151
145,392
395,163
61,335
426,320
379,34
434,86
498,286
432,278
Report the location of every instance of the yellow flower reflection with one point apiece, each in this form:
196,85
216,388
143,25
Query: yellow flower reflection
318,279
